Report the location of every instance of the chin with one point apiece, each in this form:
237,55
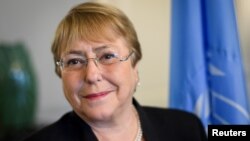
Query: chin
95,114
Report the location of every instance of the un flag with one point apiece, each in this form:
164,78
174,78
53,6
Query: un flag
206,75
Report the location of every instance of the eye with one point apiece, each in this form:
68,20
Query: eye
107,56
75,61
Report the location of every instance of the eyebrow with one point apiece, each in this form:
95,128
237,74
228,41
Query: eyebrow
96,49
78,52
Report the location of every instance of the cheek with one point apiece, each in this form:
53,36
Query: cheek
71,85
123,77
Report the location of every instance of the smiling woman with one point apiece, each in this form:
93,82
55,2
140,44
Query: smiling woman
96,54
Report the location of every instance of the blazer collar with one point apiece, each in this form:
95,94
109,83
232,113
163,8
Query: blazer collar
148,129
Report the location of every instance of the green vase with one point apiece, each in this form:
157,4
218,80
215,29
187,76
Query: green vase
18,89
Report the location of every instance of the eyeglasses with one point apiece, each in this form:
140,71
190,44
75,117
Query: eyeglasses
76,62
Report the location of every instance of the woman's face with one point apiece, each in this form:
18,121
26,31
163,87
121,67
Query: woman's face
97,91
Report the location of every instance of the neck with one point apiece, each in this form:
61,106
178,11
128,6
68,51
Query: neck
120,128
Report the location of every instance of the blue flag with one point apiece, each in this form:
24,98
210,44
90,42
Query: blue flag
206,75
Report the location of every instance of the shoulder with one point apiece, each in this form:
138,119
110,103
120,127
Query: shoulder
170,115
160,115
56,130
175,124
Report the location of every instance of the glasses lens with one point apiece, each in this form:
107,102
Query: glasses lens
107,58
73,62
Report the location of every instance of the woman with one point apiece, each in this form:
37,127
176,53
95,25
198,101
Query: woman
96,52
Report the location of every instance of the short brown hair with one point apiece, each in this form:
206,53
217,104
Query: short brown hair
93,22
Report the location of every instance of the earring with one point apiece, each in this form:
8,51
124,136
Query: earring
138,84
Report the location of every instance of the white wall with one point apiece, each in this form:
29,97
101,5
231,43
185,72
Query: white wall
34,23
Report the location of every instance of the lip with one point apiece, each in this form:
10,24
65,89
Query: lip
93,96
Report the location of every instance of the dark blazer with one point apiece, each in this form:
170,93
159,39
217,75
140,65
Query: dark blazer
158,124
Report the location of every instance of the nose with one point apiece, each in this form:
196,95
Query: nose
92,72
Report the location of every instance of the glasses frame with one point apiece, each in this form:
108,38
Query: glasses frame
60,62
